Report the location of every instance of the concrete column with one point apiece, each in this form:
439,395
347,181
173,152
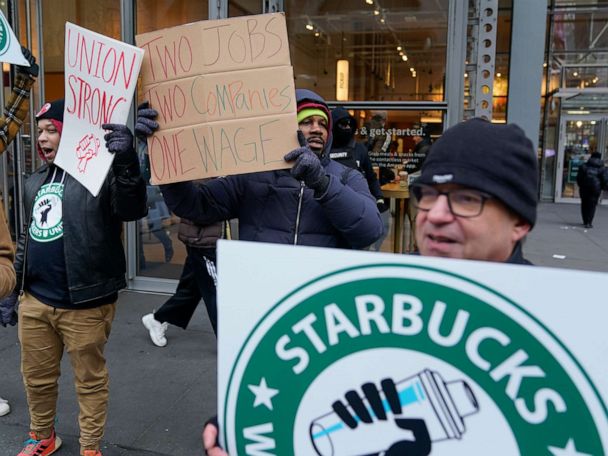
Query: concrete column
526,68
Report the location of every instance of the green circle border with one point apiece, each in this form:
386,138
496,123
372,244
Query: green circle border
407,266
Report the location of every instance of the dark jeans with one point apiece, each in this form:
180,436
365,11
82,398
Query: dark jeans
589,202
197,281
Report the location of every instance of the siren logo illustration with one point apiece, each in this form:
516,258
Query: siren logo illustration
88,147
481,360
5,35
47,216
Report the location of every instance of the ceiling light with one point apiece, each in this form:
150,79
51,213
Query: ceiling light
466,75
399,48
412,69
404,58
575,74
498,75
317,34
401,53
376,12
310,26
369,2
382,20
545,65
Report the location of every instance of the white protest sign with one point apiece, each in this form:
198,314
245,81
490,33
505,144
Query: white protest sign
338,352
100,79
10,49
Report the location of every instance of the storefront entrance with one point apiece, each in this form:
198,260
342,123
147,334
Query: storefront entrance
580,135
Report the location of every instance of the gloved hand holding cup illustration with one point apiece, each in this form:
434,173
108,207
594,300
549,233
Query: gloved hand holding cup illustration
398,418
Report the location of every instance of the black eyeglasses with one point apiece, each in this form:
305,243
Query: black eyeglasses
463,202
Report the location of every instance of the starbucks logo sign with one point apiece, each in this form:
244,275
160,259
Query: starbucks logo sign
395,359
5,35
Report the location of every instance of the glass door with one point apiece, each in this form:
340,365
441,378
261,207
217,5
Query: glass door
580,136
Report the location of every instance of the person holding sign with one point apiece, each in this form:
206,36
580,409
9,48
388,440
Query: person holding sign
477,193
476,200
319,202
15,111
70,265
17,105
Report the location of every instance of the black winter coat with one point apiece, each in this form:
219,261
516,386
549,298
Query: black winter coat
92,228
592,176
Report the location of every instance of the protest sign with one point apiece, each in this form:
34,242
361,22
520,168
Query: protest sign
100,79
337,352
225,95
10,49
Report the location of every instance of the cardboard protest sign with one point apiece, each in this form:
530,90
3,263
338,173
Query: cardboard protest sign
100,79
337,352
10,49
225,95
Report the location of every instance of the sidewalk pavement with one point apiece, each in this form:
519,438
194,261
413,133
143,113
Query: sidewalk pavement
160,397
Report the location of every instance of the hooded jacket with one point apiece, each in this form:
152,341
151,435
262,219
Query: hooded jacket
592,176
354,154
274,207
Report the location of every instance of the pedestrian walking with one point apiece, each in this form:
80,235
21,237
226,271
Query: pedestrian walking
592,178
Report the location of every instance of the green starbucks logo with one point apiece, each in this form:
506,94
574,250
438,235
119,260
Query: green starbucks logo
469,370
47,214
5,36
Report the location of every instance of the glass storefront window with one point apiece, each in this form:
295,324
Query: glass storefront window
159,252
101,16
155,15
393,51
244,7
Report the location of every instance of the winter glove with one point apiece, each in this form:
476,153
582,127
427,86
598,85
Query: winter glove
119,141
308,168
382,206
33,68
145,125
8,309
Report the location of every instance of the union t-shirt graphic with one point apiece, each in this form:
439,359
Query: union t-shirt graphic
47,213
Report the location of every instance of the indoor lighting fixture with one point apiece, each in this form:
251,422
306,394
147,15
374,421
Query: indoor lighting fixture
317,33
404,58
376,12
399,48
575,74
342,80
498,75
382,20
310,27
369,2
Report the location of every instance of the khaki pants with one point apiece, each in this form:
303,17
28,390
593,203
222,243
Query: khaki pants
44,331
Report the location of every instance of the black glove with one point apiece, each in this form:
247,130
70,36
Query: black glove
33,68
145,125
382,206
119,141
8,309
360,415
308,168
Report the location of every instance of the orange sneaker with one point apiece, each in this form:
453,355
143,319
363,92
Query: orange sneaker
91,453
35,446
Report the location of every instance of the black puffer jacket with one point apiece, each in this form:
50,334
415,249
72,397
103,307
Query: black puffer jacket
592,176
92,227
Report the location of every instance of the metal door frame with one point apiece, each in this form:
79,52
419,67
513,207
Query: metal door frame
601,142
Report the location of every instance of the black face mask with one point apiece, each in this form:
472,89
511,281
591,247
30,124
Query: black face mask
342,136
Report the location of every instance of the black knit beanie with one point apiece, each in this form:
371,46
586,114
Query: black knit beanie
497,159
52,110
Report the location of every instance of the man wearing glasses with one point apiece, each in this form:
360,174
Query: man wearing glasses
477,193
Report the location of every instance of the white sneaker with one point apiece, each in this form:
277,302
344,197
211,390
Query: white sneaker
4,407
156,328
